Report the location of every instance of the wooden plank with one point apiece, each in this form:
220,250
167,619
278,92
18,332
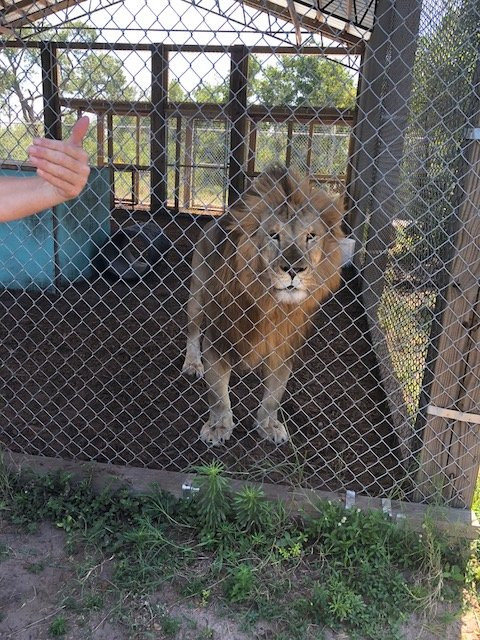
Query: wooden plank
188,165
288,154
252,149
213,111
100,140
178,151
311,129
110,159
449,461
341,50
457,522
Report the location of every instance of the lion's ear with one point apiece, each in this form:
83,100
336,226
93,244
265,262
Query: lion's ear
244,216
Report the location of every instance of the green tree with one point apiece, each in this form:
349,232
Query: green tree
301,81
176,92
83,74
209,92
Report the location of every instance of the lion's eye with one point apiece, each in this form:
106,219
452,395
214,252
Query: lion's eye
311,236
274,236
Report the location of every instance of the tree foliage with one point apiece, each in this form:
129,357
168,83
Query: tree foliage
303,81
86,74
296,81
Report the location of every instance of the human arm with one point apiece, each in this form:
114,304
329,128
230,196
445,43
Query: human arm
62,172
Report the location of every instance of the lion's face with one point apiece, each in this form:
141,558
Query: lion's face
291,251
289,240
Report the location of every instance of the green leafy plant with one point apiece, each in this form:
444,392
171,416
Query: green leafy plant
240,583
212,503
253,513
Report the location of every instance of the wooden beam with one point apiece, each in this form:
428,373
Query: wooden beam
158,128
40,10
52,116
461,523
449,462
237,113
312,24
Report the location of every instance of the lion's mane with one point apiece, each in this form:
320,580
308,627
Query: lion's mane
246,324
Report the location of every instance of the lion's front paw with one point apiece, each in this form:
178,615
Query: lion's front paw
218,429
193,367
273,430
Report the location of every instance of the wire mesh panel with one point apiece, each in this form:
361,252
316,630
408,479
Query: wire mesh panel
201,298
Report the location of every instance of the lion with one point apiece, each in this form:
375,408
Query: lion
259,273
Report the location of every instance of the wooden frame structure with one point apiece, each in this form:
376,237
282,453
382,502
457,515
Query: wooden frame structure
241,117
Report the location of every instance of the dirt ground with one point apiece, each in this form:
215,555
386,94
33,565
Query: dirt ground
40,583
94,372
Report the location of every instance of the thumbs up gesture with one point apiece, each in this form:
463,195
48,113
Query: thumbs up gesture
63,164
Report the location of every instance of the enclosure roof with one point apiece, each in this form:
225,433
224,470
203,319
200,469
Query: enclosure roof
348,20
21,13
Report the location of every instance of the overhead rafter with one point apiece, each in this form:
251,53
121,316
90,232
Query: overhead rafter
15,14
348,21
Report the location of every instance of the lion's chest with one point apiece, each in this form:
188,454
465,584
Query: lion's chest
262,335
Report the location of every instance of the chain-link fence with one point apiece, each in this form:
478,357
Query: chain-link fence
376,104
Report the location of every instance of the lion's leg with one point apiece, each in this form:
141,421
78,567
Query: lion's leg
195,312
276,378
219,426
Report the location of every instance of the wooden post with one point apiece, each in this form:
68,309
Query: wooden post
189,159
178,150
52,116
100,140
311,131
237,111
110,159
158,128
379,135
288,154
52,119
449,461
252,149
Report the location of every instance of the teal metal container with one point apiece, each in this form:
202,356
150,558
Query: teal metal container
56,246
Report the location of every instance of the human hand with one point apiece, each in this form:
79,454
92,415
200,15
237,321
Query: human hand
62,164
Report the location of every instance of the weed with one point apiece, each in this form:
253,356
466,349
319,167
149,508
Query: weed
93,601
240,583
254,514
36,567
212,503
169,625
58,627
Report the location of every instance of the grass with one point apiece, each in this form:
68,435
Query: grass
334,569
58,627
